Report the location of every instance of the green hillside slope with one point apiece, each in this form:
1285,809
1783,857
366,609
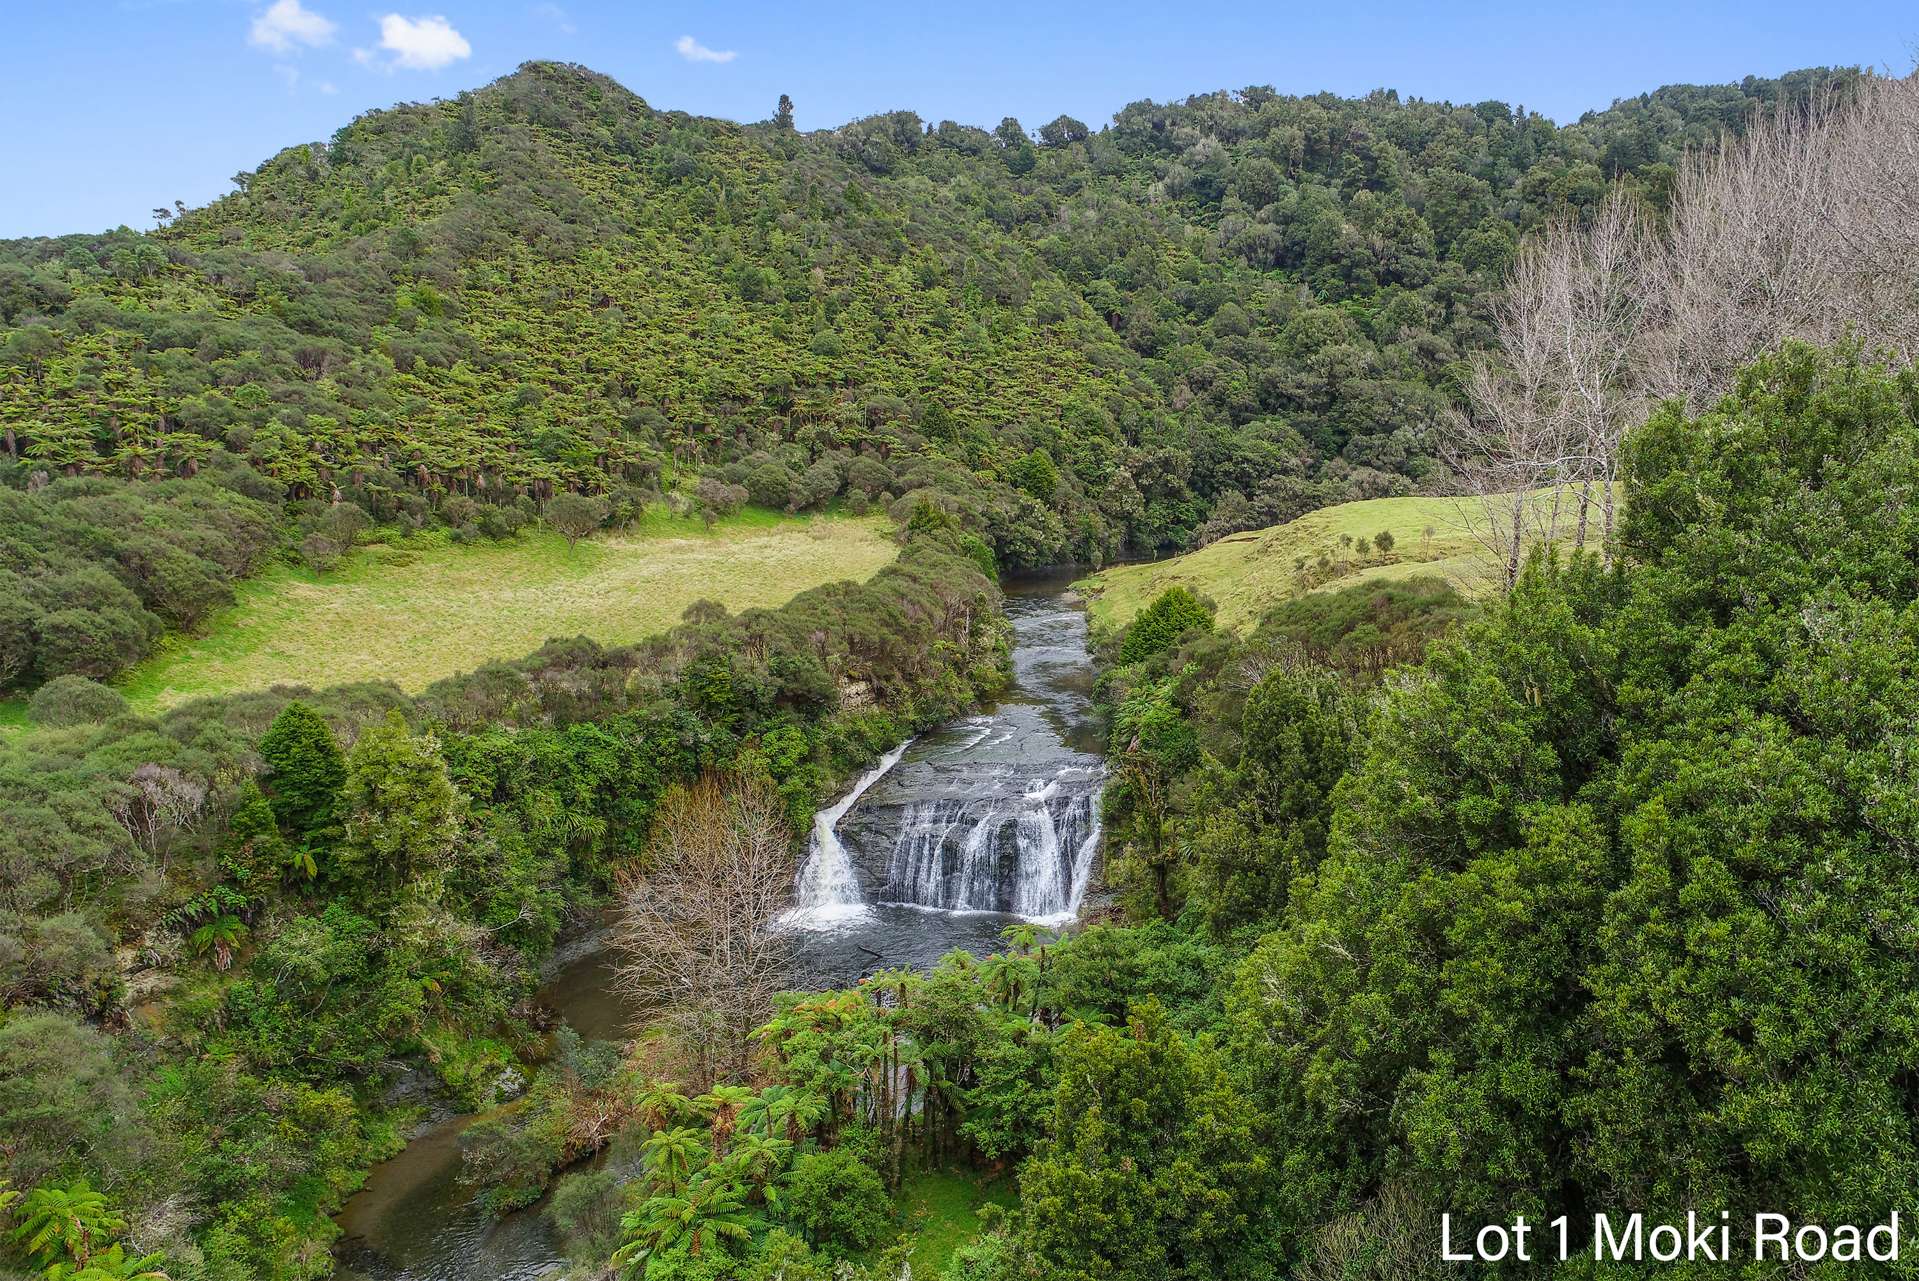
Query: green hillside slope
1247,574
1210,316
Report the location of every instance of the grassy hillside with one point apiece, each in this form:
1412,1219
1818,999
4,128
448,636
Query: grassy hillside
414,615
1247,574
1213,314
1210,316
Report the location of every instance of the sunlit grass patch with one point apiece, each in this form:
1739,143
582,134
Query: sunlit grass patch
1247,574
941,1212
415,613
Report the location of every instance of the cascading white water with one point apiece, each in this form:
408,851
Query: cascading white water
1028,855
828,888
995,813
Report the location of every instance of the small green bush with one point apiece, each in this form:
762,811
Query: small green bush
1160,625
74,700
838,1200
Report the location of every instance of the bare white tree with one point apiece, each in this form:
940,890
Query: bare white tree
1608,267
157,803
1805,226
1878,178
1515,443
1751,251
696,929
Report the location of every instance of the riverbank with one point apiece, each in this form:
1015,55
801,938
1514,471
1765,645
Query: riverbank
415,1221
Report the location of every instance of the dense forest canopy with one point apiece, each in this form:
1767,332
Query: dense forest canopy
1593,895
1208,316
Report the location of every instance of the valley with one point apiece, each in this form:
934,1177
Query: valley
589,690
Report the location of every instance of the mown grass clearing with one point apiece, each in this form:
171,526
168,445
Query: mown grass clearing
1247,574
941,1212
414,614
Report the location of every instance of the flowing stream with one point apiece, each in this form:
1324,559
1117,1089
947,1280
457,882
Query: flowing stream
947,840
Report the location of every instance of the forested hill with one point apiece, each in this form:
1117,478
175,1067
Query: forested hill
1207,316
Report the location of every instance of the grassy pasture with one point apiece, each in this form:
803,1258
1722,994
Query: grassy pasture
1247,574
415,613
940,1209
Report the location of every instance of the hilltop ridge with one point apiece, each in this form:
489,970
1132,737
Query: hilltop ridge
1201,318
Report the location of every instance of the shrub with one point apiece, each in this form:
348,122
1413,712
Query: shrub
91,642
74,700
585,1208
574,516
770,485
868,476
19,620
816,485
1160,625
1036,474
838,1200
63,1100
305,769
57,960
1364,629
320,552
717,499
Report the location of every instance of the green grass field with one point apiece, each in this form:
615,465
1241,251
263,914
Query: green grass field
940,1210
1247,574
414,614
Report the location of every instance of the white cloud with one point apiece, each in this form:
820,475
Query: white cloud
290,77
288,23
422,44
554,14
693,51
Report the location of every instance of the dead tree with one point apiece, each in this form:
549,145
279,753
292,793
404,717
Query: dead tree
1604,269
1806,226
699,951
1513,446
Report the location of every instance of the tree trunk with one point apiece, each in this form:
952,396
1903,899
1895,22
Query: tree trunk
1514,552
1605,547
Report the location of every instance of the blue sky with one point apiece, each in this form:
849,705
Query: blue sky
110,107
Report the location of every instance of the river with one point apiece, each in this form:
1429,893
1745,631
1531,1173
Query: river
986,821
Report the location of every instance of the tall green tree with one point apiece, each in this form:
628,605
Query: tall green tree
1157,1169
1157,747
403,812
1274,811
305,770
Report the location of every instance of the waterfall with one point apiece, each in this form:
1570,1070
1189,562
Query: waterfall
828,887
1028,855
993,814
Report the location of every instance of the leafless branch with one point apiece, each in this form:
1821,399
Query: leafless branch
695,930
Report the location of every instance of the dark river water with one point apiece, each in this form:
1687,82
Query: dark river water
970,828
